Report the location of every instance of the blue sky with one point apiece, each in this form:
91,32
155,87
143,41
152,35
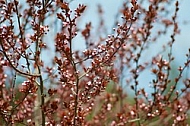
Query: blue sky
111,7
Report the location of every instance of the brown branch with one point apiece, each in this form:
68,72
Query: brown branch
17,70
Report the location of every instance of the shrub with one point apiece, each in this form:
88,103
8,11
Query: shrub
45,81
